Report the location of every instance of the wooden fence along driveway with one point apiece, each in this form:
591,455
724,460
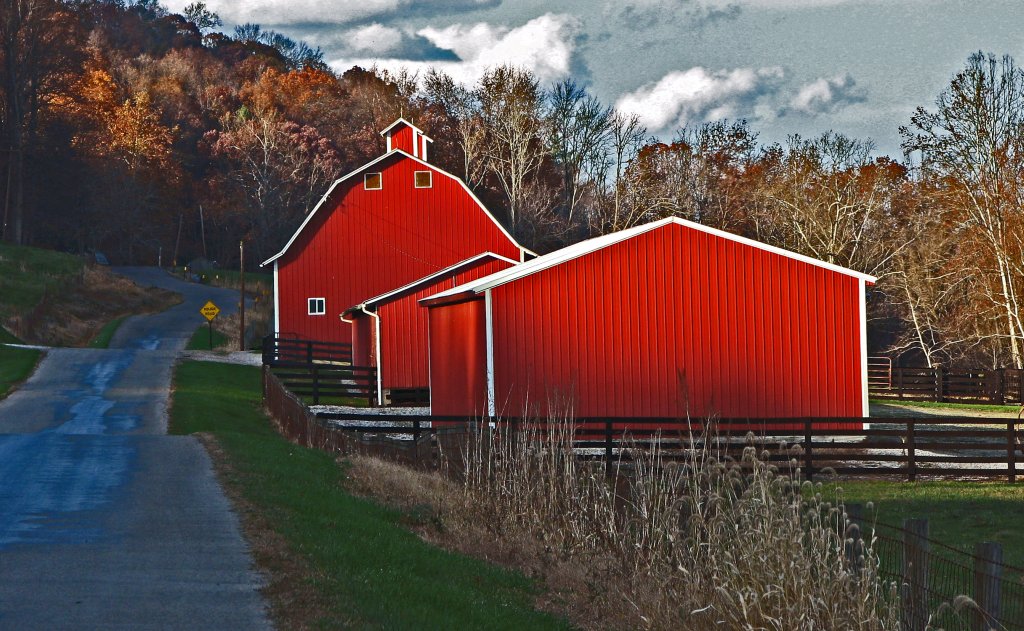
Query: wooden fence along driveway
320,370
992,386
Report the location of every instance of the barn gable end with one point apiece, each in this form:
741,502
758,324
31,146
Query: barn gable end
386,224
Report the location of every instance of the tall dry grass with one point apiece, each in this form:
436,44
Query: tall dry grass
712,543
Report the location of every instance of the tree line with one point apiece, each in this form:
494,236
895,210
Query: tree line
136,131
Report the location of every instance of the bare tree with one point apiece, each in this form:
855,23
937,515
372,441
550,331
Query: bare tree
579,133
462,105
510,107
627,136
829,200
974,144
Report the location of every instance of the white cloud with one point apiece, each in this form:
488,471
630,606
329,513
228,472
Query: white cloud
374,39
827,95
545,45
695,95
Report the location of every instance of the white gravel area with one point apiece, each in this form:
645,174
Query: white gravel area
247,358
384,411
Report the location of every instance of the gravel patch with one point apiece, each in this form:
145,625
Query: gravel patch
246,358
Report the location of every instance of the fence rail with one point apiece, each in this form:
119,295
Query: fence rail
999,386
282,347
319,371
906,448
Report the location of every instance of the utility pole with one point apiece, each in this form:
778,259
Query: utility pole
241,307
202,231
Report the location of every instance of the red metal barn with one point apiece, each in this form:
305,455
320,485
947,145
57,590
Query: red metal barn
663,320
390,331
388,223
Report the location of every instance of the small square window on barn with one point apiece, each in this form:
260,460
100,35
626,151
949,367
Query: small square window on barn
373,182
423,179
317,306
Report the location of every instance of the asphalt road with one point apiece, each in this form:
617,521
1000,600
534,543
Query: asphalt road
105,521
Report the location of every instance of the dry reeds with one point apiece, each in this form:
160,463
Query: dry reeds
705,542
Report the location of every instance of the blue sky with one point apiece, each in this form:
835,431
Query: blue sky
787,66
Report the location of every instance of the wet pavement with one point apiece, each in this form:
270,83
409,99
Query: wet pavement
105,521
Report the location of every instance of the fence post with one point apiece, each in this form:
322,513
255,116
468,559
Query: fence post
899,381
1011,452
808,454
416,430
608,448
915,574
911,453
988,569
938,384
316,385
1001,387
309,352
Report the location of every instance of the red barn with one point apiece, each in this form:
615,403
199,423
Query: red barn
662,320
390,331
388,223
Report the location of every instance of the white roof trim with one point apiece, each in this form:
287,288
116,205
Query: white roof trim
426,279
592,245
372,163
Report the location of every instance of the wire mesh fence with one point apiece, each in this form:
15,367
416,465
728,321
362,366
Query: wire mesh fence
942,587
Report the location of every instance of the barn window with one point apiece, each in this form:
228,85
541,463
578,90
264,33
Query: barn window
373,182
317,306
423,179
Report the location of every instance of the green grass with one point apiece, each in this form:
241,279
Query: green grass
102,339
373,571
26,273
200,340
16,365
6,337
959,513
974,407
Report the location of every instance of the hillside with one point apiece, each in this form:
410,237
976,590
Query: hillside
58,299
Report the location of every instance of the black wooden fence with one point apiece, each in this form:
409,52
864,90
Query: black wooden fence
902,448
320,372
992,386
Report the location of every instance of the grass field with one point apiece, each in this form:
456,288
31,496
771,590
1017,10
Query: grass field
366,569
15,366
952,408
26,273
102,339
200,340
959,513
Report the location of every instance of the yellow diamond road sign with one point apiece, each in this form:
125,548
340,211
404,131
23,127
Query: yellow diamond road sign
210,310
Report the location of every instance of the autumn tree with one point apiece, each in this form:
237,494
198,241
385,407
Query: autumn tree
35,61
270,173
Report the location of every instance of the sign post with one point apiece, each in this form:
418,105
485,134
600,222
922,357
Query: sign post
210,312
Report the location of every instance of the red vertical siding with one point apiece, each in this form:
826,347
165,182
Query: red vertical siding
676,321
458,359
404,325
403,138
370,242
364,351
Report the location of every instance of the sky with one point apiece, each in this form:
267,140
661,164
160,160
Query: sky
858,67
